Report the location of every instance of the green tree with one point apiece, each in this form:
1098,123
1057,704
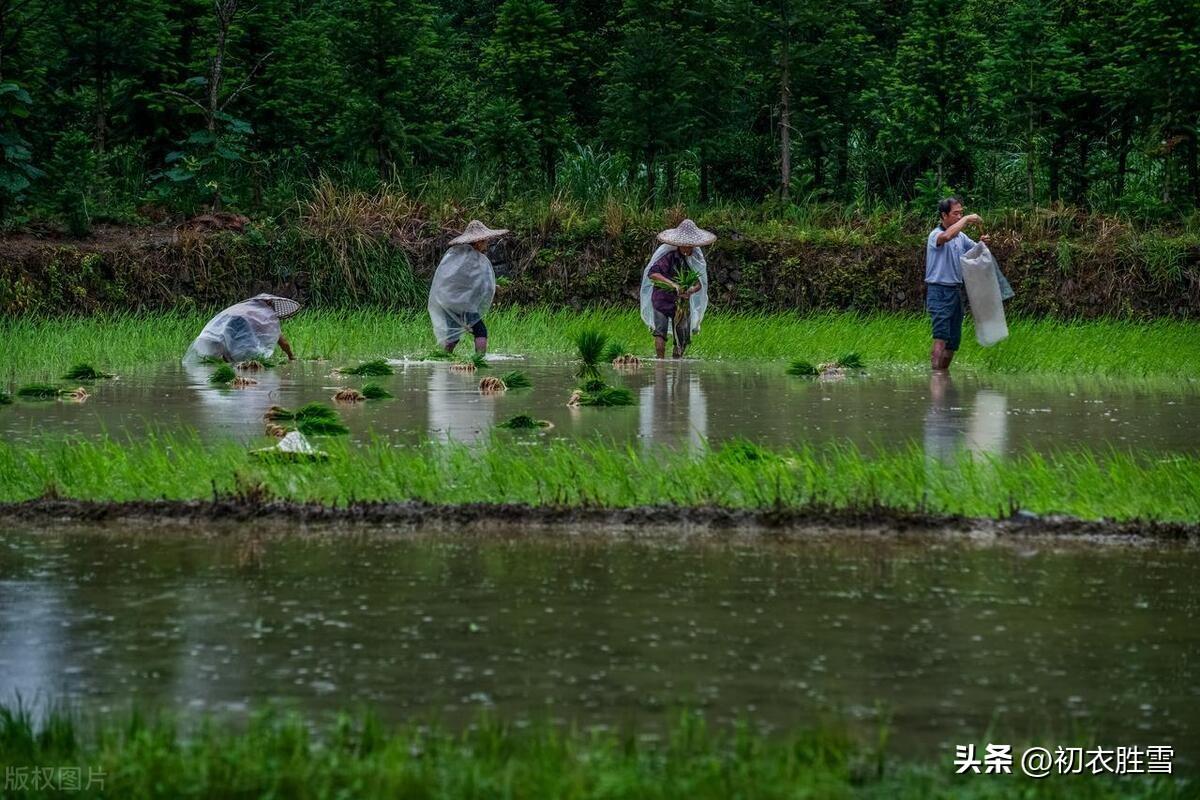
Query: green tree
16,167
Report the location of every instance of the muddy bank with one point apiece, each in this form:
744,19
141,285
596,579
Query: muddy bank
509,518
163,267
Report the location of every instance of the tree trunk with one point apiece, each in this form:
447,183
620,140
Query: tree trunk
703,175
1193,168
785,127
1122,160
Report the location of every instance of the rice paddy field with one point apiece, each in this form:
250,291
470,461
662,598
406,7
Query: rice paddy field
269,651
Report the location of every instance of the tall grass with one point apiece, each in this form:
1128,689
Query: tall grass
1080,483
43,348
284,755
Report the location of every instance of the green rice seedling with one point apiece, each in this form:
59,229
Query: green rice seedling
321,426
369,368
802,369
850,361
85,372
590,344
373,391
5,398
39,391
524,422
612,351
222,375
478,360
438,354
212,361
516,380
593,385
308,411
608,396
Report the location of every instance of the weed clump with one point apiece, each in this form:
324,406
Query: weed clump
369,368
373,391
85,372
516,380
222,375
524,422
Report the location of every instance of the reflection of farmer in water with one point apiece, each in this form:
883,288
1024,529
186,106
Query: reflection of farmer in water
675,286
463,288
244,331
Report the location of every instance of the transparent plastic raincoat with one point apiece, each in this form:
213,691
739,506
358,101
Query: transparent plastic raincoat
461,293
247,330
698,301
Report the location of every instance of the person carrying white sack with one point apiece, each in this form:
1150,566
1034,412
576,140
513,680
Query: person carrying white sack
463,288
672,298
248,330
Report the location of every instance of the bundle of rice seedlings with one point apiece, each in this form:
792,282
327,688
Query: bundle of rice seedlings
322,427
276,431
850,361
524,422
627,361
478,360
590,344
371,368
608,396
438,354
802,369
212,361
38,391
462,366
85,372
516,380
78,394
241,383
222,375
613,350
593,385
491,385
309,411
253,365
348,395
373,391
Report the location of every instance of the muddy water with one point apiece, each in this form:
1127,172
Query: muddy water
678,404
945,637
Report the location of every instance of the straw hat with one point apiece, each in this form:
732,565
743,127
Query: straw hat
284,307
477,231
687,234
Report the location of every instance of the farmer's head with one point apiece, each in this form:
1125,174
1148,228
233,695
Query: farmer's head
686,249
481,245
951,210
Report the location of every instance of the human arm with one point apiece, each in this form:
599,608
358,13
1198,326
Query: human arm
956,228
286,347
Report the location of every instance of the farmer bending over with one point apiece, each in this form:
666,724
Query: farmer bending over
944,295
248,330
667,303
463,288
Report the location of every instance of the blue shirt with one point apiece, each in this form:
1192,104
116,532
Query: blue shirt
941,263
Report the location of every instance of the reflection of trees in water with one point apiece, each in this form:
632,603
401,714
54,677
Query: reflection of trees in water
673,409
950,428
457,411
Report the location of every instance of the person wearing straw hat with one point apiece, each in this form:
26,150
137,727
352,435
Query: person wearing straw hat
463,287
247,330
675,286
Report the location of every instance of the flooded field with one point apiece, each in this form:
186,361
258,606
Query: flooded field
678,405
943,637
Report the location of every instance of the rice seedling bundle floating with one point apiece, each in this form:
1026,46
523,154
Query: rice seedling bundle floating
605,396
491,385
516,380
627,361
524,422
462,366
802,369
369,368
373,391
223,374
308,411
590,343
241,382
593,385
613,350
85,372
255,365
322,427
212,361
348,395
38,391
850,361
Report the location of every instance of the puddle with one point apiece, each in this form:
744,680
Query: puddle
678,405
947,637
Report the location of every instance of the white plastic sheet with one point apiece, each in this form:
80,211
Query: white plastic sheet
981,275
461,292
247,330
698,302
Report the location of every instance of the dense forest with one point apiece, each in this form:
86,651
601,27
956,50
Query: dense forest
107,108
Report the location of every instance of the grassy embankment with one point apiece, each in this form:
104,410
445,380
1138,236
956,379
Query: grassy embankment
356,756
41,349
597,475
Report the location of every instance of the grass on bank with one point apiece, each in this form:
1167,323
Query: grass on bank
280,755
43,348
597,474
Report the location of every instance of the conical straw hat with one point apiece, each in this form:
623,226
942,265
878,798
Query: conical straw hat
687,234
477,231
284,307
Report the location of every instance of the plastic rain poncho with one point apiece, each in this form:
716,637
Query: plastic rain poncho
698,301
461,293
247,330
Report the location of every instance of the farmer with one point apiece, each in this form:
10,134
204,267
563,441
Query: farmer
666,302
463,288
248,330
944,295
